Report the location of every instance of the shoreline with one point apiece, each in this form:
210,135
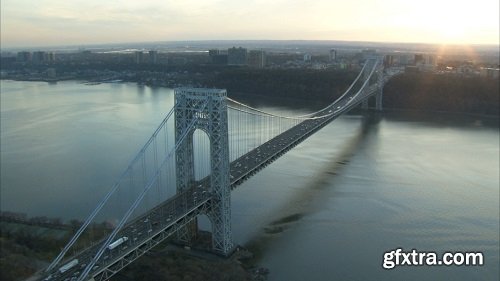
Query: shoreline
176,261
92,82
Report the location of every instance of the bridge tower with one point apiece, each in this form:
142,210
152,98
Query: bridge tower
379,79
207,108
380,88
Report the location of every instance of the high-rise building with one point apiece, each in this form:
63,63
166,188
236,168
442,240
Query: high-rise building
38,57
388,60
404,59
236,56
139,57
257,58
49,57
218,56
153,57
23,56
213,52
419,58
333,55
307,57
425,62
430,60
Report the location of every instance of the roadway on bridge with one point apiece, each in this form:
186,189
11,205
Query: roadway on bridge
171,214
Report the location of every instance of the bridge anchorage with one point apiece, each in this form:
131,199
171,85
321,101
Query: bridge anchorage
241,141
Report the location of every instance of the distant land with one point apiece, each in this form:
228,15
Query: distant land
455,78
285,45
451,78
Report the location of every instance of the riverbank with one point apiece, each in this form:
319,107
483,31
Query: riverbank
26,249
426,92
443,93
28,246
176,263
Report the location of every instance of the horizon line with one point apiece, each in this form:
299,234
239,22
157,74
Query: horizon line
76,45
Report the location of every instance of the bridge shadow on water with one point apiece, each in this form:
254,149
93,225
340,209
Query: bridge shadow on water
303,202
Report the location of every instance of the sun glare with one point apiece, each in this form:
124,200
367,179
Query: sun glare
450,32
448,21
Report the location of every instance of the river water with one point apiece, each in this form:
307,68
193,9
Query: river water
327,210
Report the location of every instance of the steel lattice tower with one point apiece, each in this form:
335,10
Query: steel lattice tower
208,109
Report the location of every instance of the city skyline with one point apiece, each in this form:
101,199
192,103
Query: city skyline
27,23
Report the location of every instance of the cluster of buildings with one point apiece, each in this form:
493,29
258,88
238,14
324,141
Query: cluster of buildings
412,62
314,61
422,62
332,56
149,57
38,57
238,56
489,72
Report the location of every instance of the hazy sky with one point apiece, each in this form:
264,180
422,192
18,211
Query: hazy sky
78,22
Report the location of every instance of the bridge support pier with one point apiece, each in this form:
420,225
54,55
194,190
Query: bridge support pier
378,100
364,104
380,90
207,108
379,82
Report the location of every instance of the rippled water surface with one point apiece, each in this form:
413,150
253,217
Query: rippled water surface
327,210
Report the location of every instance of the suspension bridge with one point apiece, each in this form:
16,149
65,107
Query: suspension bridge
207,145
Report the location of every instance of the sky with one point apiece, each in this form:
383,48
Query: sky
32,23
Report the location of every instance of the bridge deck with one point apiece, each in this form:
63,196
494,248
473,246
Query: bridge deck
151,228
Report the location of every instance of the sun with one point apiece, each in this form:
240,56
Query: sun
450,33
449,22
